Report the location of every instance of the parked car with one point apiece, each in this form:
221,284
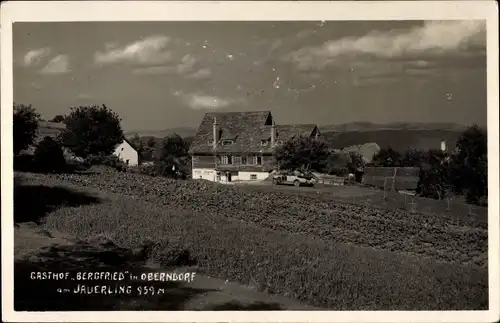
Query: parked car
293,179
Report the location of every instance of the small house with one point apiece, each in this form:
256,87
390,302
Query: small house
126,152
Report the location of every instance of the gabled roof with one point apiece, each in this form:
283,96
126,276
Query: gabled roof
247,130
128,142
287,132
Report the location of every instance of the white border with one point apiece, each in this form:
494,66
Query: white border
249,11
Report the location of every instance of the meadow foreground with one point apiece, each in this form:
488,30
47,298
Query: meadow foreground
315,250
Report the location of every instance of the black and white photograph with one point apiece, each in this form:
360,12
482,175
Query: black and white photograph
251,165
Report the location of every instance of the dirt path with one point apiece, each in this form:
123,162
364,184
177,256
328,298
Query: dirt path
39,250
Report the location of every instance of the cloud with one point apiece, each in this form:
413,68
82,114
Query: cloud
57,65
84,96
434,38
152,70
205,102
148,51
35,56
186,66
200,74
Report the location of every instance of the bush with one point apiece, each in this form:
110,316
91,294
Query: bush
149,169
49,157
107,160
25,126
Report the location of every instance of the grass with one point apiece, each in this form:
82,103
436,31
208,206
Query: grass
459,212
321,272
306,212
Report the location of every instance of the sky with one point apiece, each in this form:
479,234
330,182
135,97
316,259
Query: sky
160,75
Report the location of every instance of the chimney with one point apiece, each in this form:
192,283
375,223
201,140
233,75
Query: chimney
443,145
215,132
273,134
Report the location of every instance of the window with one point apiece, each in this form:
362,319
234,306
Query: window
243,160
253,177
122,148
210,141
127,161
259,160
263,142
237,160
226,160
227,142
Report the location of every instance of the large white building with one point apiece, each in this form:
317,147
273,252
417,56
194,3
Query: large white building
238,146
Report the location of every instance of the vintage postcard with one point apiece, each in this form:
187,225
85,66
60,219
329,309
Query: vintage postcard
250,161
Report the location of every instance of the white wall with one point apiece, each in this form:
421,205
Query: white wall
204,173
245,176
443,145
126,152
210,175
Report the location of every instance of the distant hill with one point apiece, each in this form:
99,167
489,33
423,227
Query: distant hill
399,140
368,126
181,131
398,135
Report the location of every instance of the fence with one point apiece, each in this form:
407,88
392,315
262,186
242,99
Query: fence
455,210
331,180
392,178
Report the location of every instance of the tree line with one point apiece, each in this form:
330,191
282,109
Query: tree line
464,171
89,137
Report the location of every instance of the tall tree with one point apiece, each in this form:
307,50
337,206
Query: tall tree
172,157
25,126
355,162
91,130
387,158
412,158
302,152
434,178
337,163
470,164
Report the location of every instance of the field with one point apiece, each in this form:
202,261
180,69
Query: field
304,245
456,213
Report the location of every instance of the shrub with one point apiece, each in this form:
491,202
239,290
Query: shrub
49,157
112,161
149,169
25,126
